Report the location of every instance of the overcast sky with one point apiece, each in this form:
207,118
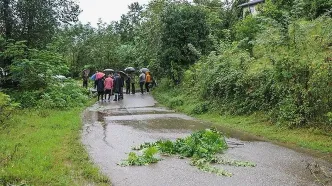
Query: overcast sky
107,10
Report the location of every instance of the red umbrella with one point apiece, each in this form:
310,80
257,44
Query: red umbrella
100,75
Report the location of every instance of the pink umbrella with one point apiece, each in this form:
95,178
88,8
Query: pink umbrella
100,75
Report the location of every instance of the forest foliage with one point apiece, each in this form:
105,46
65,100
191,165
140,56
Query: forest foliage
277,62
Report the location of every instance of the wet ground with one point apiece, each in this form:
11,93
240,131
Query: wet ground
112,128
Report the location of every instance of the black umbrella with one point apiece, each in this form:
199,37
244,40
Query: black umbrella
109,70
123,74
144,70
130,69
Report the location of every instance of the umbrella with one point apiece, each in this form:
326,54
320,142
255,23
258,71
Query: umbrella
123,74
144,70
93,77
130,69
99,75
109,70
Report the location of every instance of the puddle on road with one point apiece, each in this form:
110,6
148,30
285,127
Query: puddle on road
162,119
114,128
180,124
135,111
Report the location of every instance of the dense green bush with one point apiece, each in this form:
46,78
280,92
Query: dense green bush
56,95
175,102
287,75
200,108
35,73
7,108
33,69
63,95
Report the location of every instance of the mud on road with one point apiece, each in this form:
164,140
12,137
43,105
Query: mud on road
112,128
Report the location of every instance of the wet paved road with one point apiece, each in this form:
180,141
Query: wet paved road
111,129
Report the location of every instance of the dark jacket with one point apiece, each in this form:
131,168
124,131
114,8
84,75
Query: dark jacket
100,85
118,84
122,81
128,80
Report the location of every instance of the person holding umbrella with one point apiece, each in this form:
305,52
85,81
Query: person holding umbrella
94,78
100,88
142,81
117,86
130,71
108,82
147,81
128,80
122,76
133,81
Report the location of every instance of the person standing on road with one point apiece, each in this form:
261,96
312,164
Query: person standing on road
121,89
133,81
108,86
94,78
100,89
117,86
147,81
142,81
128,80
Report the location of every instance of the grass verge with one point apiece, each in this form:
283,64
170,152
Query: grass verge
318,140
43,147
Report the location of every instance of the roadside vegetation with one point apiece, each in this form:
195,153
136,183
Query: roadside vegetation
40,109
258,123
43,147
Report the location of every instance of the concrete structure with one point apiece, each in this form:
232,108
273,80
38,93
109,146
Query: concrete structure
251,7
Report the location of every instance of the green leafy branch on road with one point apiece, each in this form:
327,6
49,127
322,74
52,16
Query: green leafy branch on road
145,159
202,147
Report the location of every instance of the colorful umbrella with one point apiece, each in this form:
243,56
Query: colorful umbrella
99,75
93,77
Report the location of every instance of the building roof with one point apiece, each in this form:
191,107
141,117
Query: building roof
251,2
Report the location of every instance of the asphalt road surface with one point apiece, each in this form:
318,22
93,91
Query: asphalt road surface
112,128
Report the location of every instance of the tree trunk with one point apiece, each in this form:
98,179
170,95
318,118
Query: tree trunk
7,18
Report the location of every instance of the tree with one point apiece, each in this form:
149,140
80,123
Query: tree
35,21
130,22
183,25
38,20
6,18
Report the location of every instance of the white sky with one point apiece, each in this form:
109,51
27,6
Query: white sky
107,10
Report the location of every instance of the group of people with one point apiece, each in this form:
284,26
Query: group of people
114,83
145,79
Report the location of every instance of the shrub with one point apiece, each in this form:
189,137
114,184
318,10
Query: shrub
62,96
27,99
287,75
200,108
37,70
58,95
7,107
175,102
